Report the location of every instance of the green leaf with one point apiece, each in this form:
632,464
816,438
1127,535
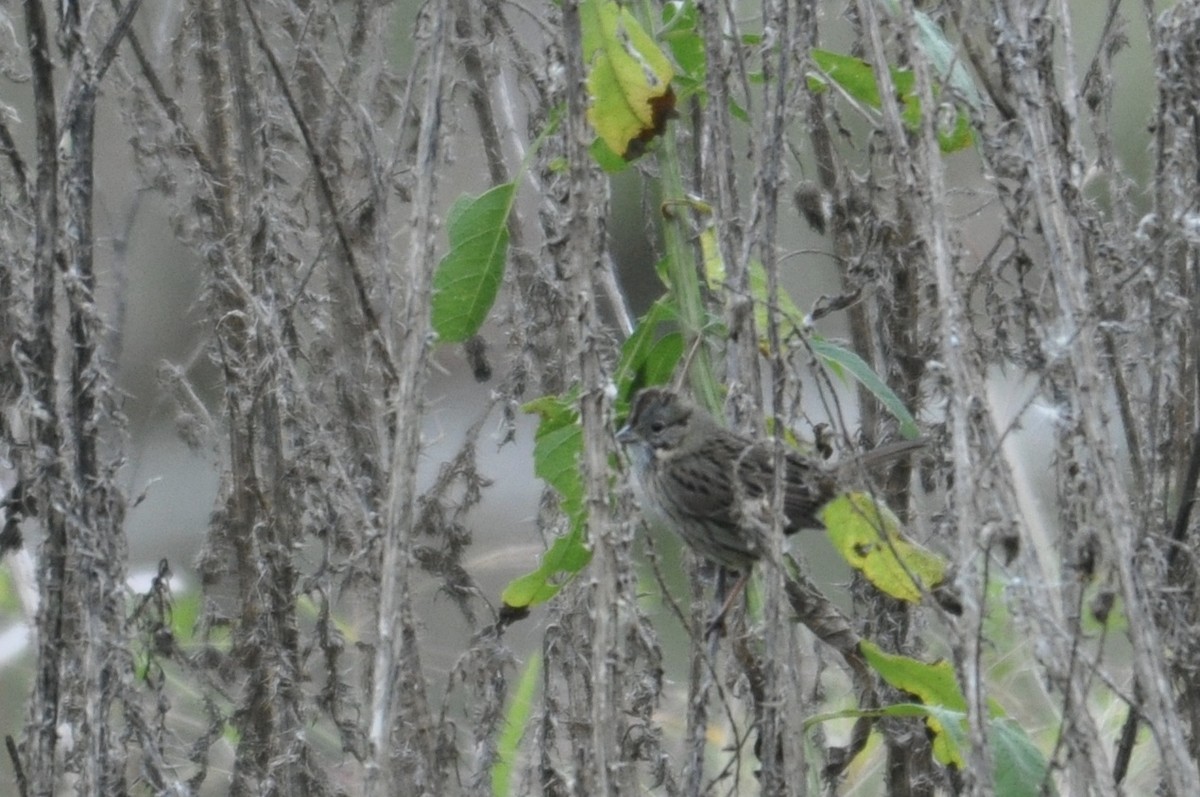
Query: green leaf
791,321
556,448
185,613
868,537
556,461
738,112
1020,768
646,359
936,686
854,75
787,315
687,48
944,56
519,709
557,445
663,358
839,357
10,602
857,79
468,277
932,684
566,557
606,159
629,77
679,32
958,136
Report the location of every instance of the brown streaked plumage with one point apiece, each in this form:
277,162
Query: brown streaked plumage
698,478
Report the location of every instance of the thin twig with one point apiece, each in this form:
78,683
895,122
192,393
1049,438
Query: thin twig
379,338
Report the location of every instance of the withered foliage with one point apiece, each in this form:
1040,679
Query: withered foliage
307,154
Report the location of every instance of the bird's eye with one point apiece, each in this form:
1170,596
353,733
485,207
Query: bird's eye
657,426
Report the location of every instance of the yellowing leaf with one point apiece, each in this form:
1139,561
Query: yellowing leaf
714,266
935,685
629,78
1019,767
867,535
789,317
932,684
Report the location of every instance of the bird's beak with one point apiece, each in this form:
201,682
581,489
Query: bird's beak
625,435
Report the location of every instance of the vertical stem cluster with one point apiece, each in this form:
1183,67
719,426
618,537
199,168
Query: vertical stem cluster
397,661
81,642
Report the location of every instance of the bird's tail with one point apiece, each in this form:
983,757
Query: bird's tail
884,454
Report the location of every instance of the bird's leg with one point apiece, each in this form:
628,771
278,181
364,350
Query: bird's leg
717,624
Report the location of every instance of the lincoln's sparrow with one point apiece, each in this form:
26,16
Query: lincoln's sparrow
699,478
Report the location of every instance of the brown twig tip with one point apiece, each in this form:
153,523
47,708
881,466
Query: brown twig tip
14,754
509,615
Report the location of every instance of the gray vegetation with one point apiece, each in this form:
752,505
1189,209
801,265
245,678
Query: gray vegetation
975,220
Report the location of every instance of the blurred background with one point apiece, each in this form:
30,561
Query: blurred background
150,286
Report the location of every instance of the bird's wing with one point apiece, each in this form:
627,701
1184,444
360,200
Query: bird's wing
703,482
807,485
